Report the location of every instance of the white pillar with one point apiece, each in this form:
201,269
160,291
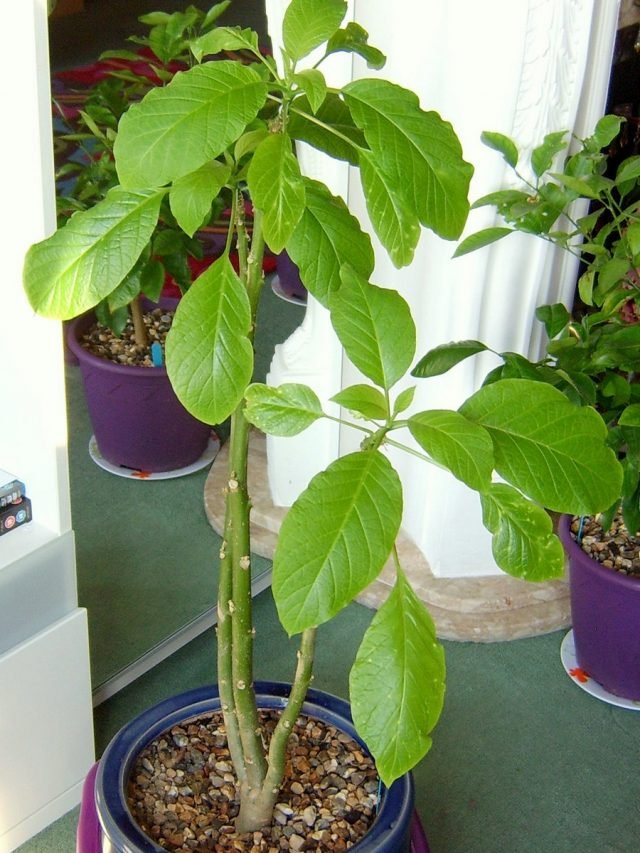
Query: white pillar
524,69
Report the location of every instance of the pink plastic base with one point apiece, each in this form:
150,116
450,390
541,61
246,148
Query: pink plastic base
89,835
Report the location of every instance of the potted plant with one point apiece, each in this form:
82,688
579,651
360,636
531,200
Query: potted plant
243,120
593,356
138,422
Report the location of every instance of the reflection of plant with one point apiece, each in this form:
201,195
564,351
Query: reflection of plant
594,359
84,140
225,123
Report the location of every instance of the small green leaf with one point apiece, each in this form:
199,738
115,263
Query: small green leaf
363,400
335,539
550,449
585,286
442,358
276,188
191,196
225,38
286,410
375,327
354,39
307,24
503,144
209,354
481,239
462,447
523,544
313,84
404,400
397,682
555,318
82,263
327,237
543,155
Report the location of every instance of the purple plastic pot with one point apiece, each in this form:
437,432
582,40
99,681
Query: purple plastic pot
605,612
289,278
396,829
138,421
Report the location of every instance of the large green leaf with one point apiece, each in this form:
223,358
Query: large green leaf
523,544
396,686
335,538
285,410
307,24
395,224
209,354
192,195
178,128
82,263
461,446
375,327
547,447
276,189
326,237
418,152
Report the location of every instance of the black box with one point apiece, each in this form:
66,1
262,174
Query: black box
15,515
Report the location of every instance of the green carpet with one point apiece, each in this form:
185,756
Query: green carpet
147,557
523,761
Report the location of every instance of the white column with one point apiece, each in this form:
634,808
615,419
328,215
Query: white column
523,69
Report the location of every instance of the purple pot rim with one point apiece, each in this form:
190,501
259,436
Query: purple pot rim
588,564
75,329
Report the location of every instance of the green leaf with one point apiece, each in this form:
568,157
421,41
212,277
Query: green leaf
523,544
585,286
82,263
442,358
178,128
225,38
375,327
307,24
354,39
326,237
276,189
404,400
396,685
286,410
208,351
628,170
543,155
555,317
397,227
464,448
481,239
363,400
152,279
332,129
191,196
418,152
503,144
550,449
313,84
335,539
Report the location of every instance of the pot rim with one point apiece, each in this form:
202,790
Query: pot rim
587,563
79,324
396,803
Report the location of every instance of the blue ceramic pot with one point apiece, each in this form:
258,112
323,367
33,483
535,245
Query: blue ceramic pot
390,833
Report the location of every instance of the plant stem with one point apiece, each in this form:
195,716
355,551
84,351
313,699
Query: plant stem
139,328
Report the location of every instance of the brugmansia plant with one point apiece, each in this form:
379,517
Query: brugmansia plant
223,123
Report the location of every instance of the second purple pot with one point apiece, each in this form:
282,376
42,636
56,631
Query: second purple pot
138,421
605,612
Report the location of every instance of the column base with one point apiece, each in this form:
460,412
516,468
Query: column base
479,609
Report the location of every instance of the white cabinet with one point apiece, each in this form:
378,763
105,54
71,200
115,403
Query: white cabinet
45,692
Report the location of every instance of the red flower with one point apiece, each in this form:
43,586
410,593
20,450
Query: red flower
579,674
